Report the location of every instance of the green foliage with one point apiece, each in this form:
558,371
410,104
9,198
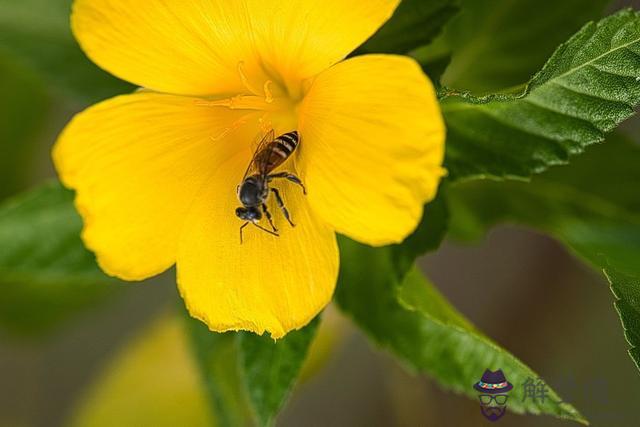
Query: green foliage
414,23
413,26
496,45
592,207
427,236
23,105
37,33
46,275
270,368
590,84
249,377
414,322
217,356
45,272
626,290
403,313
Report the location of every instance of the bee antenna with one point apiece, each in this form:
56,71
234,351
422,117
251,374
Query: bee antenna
260,227
264,229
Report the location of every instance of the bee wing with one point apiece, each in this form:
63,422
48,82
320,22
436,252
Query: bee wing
262,140
254,166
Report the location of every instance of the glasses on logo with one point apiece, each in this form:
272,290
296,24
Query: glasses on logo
499,399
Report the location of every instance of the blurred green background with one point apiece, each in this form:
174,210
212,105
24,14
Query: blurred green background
124,361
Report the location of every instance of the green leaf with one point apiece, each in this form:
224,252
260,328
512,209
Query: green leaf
46,274
413,24
270,368
592,207
496,45
626,291
434,59
217,357
23,107
427,236
590,85
417,294
401,312
248,377
413,321
37,33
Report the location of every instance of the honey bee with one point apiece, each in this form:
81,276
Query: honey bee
253,192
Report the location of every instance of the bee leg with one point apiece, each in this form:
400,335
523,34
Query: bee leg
281,206
241,227
291,177
268,215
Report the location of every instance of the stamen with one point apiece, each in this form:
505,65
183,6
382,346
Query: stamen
234,126
268,95
245,80
238,102
264,124
245,102
258,100
218,103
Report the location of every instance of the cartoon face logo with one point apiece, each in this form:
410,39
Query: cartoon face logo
493,388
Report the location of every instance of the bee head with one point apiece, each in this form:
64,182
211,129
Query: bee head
249,214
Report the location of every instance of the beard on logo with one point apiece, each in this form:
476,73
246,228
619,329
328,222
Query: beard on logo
493,413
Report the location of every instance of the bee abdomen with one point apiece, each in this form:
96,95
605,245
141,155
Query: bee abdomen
277,151
286,144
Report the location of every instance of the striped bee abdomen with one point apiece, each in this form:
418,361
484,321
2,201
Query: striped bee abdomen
286,144
279,150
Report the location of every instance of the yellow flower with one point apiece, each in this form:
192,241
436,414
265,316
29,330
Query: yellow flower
155,172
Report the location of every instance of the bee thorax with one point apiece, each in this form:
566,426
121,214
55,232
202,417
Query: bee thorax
251,193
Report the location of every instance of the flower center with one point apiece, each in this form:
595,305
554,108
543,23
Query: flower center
259,98
268,96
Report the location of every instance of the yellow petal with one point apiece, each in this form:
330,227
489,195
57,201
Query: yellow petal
153,382
136,163
268,283
194,47
372,146
178,46
300,38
